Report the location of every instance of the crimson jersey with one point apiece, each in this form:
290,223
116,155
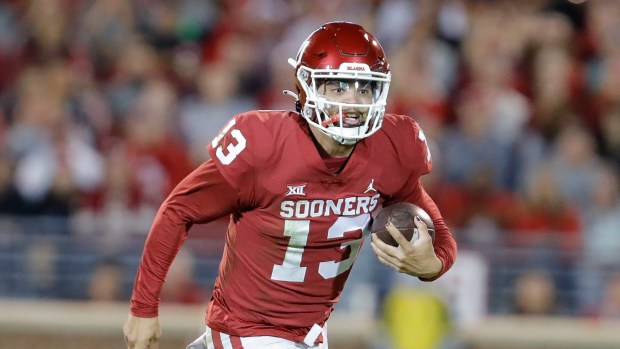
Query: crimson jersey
296,227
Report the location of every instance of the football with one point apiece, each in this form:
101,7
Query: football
402,215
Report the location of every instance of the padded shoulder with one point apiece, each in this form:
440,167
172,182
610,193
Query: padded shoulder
409,143
248,143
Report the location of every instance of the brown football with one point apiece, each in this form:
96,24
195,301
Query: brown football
402,215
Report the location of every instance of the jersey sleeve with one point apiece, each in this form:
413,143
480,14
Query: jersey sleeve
416,161
203,196
444,244
417,157
236,152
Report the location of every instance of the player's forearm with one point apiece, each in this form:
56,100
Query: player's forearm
444,244
163,243
201,197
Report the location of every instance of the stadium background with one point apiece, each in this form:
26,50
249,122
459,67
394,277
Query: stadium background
106,104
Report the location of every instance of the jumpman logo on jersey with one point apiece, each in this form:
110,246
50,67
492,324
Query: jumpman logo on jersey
296,190
370,187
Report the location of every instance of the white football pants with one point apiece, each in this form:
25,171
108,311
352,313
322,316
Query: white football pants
218,340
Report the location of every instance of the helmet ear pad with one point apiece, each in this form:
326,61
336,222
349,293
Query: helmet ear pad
301,75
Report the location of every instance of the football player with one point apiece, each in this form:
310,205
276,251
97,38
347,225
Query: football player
300,188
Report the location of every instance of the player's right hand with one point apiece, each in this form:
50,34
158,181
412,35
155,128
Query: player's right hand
142,333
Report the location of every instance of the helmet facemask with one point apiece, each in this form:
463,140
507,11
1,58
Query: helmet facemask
349,121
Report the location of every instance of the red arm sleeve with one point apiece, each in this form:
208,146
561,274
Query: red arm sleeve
444,244
203,196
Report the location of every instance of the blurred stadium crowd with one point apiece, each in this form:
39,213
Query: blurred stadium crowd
106,104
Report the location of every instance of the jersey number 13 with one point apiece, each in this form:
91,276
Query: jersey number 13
291,270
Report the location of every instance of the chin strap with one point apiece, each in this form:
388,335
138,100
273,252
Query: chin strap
343,141
294,95
293,64
291,93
